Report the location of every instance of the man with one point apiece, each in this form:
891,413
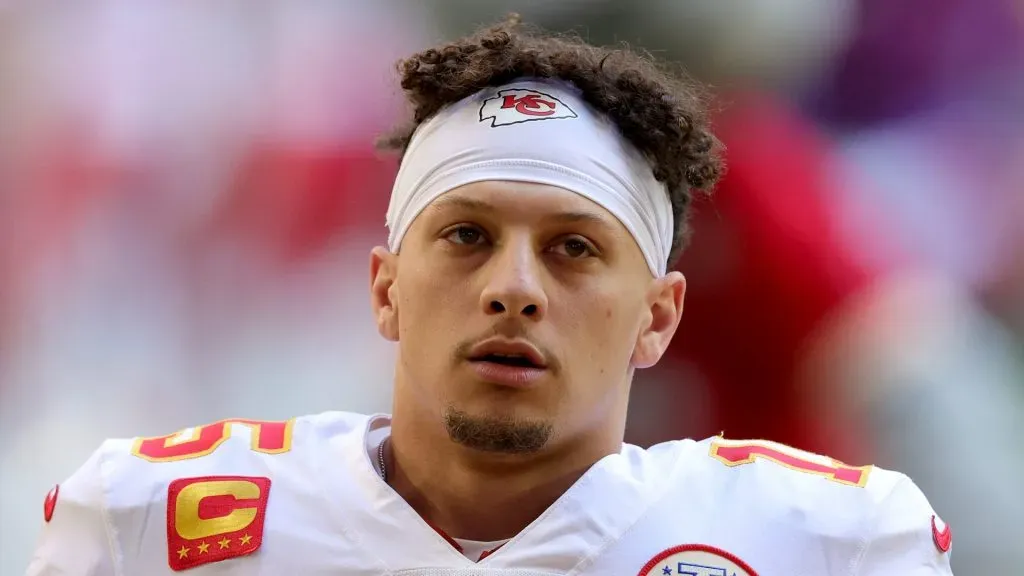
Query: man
541,197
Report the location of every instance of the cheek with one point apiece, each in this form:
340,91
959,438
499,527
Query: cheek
604,333
431,307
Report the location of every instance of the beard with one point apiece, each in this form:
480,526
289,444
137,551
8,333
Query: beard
496,434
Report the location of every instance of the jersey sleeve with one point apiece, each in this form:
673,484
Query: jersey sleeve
905,537
76,540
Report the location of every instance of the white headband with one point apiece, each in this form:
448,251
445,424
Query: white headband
533,131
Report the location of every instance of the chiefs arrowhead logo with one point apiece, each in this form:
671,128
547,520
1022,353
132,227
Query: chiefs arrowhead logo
941,534
50,503
517,105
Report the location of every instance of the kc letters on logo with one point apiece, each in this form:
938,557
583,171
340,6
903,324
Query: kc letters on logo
214,518
518,105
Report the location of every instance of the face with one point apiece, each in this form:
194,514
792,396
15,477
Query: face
520,311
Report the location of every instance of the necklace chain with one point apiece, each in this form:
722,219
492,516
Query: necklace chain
382,468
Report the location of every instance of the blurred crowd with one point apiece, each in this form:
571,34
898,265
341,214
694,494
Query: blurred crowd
188,192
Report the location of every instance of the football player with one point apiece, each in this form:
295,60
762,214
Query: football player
541,201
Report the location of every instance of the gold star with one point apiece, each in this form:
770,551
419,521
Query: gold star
245,539
203,547
224,543
183,553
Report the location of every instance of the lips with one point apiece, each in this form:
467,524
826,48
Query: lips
512,353
509,363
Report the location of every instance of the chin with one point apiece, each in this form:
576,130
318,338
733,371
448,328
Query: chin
497,431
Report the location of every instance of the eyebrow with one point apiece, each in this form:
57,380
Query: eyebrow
452,201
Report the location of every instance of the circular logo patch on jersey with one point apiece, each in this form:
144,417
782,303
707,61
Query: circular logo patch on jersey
696,560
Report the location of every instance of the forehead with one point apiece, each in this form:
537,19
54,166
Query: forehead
521,201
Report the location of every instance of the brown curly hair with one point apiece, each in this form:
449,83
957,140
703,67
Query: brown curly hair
662,113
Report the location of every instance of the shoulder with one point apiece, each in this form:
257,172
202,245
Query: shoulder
879,515
790,478
96,518
126,473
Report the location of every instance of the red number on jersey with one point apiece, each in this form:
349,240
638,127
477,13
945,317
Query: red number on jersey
738,453
267,437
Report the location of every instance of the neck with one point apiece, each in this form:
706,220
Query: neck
482,496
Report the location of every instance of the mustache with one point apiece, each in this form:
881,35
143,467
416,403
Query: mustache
513,330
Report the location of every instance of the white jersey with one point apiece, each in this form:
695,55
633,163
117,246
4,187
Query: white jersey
304,497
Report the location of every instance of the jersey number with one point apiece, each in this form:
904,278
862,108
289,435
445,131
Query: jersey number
267,437
733,453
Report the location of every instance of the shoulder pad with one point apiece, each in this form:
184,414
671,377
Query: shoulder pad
138,497
831,497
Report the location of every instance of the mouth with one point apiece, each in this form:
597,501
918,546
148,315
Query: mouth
513,363
511,360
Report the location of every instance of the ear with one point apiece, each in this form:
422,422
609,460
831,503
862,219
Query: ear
384,291
665,299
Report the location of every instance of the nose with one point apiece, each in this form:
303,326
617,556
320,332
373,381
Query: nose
514,285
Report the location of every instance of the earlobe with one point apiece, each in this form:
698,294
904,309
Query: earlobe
665,299
383,291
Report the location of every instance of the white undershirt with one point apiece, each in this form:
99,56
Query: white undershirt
474,550
471,549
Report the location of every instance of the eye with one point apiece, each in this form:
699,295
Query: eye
574,247
464,235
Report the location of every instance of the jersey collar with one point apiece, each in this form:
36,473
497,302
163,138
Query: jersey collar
607,500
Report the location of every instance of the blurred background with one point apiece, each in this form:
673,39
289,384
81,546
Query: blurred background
188,192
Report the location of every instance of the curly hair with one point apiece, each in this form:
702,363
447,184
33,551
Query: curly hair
662,113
